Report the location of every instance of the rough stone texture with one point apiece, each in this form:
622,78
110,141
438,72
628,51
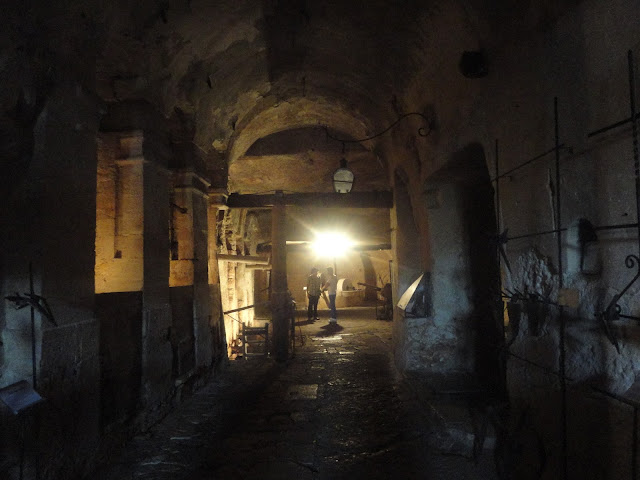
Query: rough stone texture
336,410
225,76
53,195
120,317
120,220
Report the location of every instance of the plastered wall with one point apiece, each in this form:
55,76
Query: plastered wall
582,61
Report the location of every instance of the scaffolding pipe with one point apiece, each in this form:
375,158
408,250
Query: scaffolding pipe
621,226
636,167
537,157
497,180
634,136
502,359
562,359
614,125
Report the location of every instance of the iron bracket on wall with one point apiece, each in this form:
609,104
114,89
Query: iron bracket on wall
613,310
35,301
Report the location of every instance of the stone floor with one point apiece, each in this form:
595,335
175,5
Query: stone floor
336,410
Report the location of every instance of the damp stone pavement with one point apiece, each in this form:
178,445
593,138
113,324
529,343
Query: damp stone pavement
335,410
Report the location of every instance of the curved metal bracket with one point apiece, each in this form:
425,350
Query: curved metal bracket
35,301
613,310
421,131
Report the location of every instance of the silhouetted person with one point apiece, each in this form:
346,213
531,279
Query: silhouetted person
331,286
314,290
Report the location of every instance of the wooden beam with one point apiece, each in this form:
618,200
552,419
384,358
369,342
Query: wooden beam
297,247
382,199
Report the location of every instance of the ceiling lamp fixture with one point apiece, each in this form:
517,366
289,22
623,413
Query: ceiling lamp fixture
343,178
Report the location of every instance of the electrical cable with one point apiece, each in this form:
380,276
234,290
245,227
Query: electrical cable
421,130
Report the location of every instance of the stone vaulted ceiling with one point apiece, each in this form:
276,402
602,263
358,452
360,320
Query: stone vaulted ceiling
242,71
231,73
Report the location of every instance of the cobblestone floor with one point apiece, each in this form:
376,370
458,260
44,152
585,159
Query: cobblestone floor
335,411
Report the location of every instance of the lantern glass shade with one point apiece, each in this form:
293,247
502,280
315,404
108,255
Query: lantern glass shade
343,178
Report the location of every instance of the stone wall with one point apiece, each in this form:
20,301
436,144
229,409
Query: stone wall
582,61
53,196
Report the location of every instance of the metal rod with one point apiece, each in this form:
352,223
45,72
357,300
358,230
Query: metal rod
615,227
23,445
634,133
497,180
537,234
562,359
550,371
245,308
613,125
634,452
238,309
557,230
531,362
614,396
537,157
499,300
33,329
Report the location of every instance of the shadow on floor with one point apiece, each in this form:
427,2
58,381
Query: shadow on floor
329,330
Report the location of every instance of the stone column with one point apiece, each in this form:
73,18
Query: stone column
156,362
190,211
217,203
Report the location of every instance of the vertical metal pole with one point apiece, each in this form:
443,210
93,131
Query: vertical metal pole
22,446
634,133
33,329
634,453
636,167
502,358
497,195
562,359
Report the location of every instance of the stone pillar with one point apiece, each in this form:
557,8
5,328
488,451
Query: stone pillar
280,301
217,204
191,245
156,321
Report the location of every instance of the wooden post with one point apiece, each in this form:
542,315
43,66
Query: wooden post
279,291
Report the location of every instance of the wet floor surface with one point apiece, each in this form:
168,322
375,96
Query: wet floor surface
336,410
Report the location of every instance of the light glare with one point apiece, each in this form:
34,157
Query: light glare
331,244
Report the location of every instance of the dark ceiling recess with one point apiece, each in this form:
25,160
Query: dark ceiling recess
473,64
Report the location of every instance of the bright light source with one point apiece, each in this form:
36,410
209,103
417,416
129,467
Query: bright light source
331,244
